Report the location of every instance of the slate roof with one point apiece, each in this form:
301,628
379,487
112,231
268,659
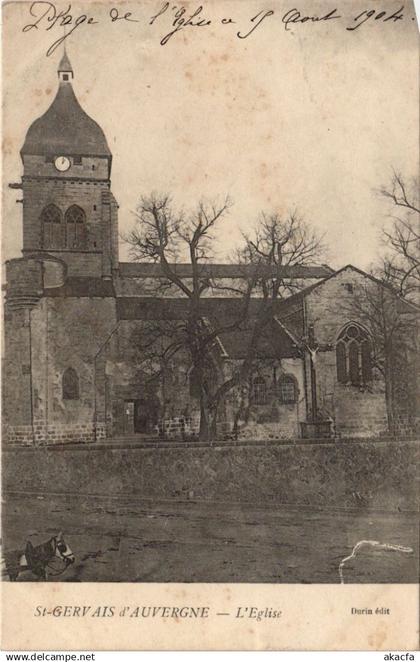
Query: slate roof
280,339
65,64
65,129
152,270
82,287
171,309
272,343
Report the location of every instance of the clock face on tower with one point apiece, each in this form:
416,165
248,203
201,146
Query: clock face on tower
62,163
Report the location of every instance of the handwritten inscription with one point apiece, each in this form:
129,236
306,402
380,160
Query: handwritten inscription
377,16
172,19
294,16
181,19
126,16
47,16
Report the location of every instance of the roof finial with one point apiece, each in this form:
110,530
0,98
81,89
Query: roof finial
65,70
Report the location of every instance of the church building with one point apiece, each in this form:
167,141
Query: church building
72,370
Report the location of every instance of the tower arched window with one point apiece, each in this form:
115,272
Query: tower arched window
52,227
70,384
354,356
76,233
259,391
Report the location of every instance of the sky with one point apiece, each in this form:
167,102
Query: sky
312,118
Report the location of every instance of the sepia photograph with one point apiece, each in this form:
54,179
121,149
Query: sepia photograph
211,271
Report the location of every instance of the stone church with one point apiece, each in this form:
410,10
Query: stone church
72,371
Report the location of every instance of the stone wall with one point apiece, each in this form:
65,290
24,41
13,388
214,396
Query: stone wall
39,166
18,434
81,263
39,434
38,193
57,334
70,332
355,411
275,419
16,373
175,403
363,475
24,279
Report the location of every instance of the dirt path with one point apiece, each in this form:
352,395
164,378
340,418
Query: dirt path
134,541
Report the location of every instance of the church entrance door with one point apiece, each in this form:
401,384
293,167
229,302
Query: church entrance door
141,415
128,420
146,415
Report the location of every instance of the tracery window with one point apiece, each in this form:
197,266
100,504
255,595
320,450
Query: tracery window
70,384
354,356
286,390
75,219
259,391
52,227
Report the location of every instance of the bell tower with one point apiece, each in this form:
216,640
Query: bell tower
69,211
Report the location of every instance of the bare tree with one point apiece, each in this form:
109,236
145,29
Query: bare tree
277,247
164,236
402,265
268,260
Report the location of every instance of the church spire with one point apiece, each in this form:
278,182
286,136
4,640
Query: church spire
65,128
65,70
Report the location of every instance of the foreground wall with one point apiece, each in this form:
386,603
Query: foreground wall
347,474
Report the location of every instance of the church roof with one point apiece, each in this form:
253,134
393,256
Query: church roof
65,128
153,270
220,313
65,64
80,286
272,342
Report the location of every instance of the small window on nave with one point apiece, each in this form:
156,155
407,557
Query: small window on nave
52,227
286,390
354,356
70,384
76,234
259,391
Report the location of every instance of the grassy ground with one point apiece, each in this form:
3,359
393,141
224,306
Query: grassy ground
137,541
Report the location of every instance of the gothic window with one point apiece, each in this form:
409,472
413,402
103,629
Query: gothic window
51,227
259,391
70,385
354,368
366,355
75,219
354,356
286,389
341,362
